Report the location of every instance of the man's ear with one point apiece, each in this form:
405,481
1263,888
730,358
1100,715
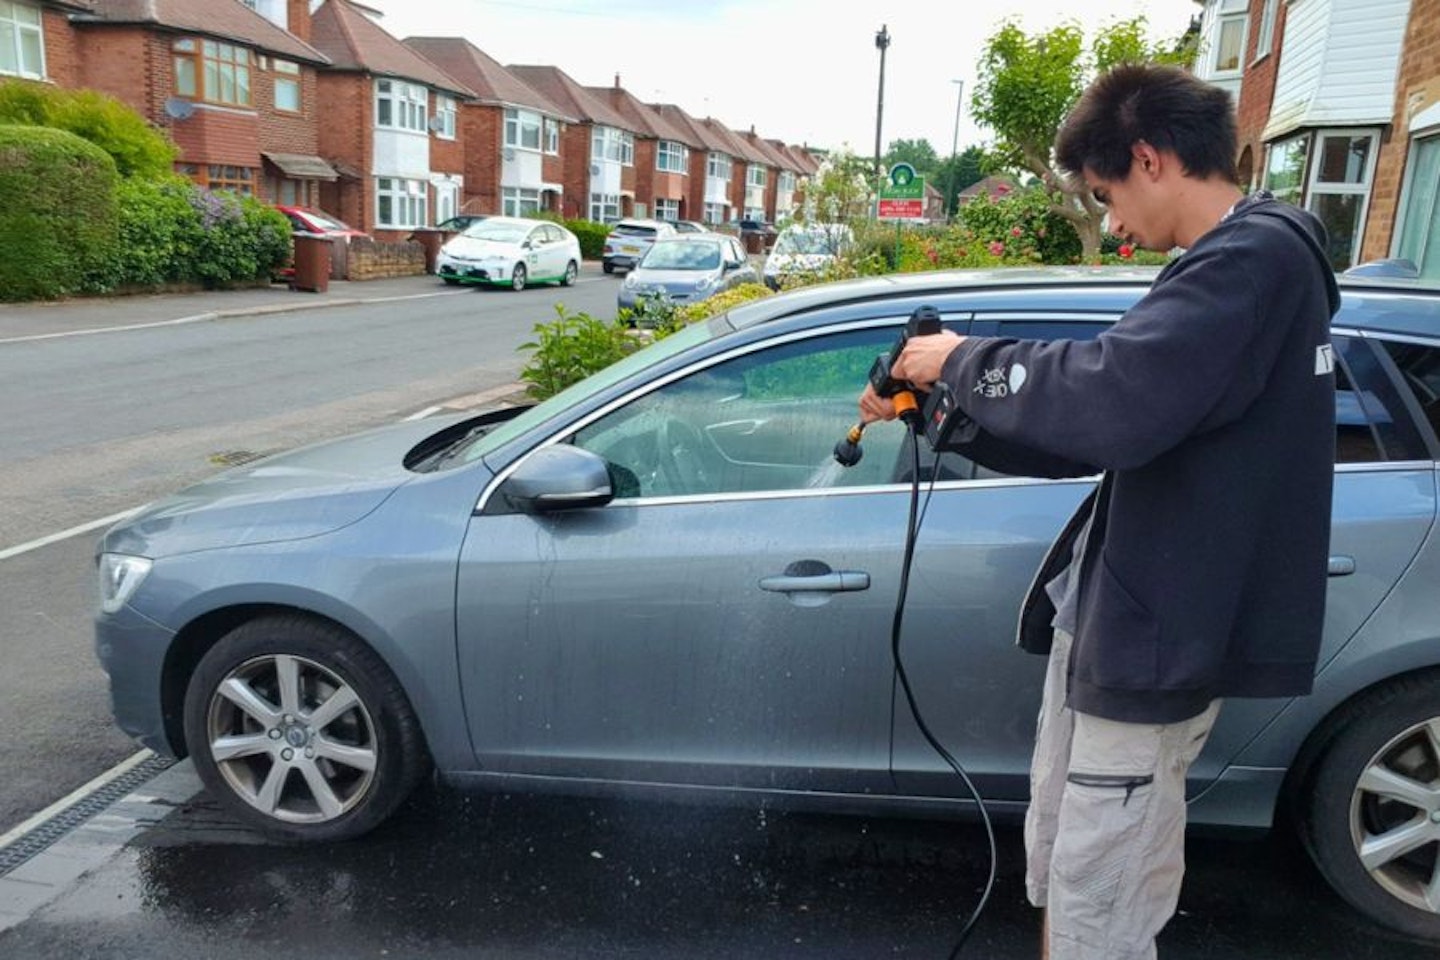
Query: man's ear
1146,158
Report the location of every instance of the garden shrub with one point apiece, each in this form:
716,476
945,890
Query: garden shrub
58,221
137,148
591,235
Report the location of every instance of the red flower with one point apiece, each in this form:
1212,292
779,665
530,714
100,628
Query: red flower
996,248
1015,231
1127,250
1002,189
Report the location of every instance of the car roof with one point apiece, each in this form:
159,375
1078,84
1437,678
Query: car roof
518,221
639,222
1377,304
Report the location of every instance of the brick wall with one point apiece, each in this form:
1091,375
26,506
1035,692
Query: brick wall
642,175
1256,94
481,127
575,148
210,136
63,63
346,135
1417,87
117,61
738,173
694,206
376,259
282,131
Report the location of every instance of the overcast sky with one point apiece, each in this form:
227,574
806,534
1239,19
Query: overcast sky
804,71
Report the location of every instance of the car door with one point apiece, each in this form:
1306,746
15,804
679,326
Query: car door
725,620
538,253
1383,504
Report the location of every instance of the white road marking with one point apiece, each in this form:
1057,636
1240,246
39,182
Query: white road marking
422,414
198,318
45,541
74,797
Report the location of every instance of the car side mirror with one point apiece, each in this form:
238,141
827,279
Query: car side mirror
558,477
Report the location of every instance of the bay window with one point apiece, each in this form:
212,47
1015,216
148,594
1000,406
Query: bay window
400,105
672,156
522,129
212,71
552,136
1329,173
445,115
604,207
400,203
755,175
718,166
519,202
609,143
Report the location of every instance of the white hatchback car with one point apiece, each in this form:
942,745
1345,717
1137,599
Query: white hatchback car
510,252
630,239
806,248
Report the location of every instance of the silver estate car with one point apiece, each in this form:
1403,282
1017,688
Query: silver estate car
659,580
686,269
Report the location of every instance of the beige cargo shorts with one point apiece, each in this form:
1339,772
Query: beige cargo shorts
1105,832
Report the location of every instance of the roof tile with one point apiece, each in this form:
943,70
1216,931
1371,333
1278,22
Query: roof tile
353,41
483,74
227,21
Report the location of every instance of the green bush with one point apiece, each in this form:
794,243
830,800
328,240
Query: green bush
137,148
58,222
592,237
570,348
1022,218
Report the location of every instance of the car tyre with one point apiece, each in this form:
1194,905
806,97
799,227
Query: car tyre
301,731
608,267
518,277
450,281
571,271
1371,813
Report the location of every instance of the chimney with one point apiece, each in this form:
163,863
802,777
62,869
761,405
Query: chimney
617,81
297,17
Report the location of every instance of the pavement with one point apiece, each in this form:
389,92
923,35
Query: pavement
38,320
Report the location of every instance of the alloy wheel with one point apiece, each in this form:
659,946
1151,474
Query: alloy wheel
1395,816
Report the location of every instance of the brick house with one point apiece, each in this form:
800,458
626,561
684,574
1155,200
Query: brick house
776,166
513,134
236,92
739,155
40,43
662,156
598,151
711,167
1338,110
390,124
799,165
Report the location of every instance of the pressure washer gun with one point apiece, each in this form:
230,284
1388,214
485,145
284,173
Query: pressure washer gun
909,402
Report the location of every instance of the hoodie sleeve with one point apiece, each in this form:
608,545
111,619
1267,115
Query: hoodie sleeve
1177,359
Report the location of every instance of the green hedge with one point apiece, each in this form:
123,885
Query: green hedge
137,148
592,237
58,219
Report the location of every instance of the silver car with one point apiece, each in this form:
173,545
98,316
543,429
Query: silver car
687,268
661,581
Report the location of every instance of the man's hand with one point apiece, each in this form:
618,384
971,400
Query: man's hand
919,363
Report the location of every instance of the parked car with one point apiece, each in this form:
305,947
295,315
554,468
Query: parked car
460,221
660,579
629,239
510,252
806,249
763,230
688,226
686,268
315,223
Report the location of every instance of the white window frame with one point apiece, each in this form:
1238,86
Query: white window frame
1429,138
445,111
1315,187
408,103
1230,13
519,202
287,78
667,209
787,181
715,212
672,157
408,203
20,29
720,166
551,135
1266,37
755,213
756,175
522,129
613,144
604,206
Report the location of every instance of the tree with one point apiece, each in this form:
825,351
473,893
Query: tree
958,172
918,153
839,192
1029,83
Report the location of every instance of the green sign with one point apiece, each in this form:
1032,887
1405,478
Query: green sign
902,194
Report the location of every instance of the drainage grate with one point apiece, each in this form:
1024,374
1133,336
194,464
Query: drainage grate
47,833
234,458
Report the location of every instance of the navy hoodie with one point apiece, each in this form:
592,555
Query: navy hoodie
1210,409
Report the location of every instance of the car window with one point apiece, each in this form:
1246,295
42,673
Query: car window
1368,402
498,232
1419,368
767,420
633,230
683,255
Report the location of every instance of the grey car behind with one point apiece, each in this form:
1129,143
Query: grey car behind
686,269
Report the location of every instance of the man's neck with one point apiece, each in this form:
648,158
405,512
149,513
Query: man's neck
1204,203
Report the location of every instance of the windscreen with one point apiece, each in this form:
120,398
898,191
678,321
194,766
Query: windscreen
684,255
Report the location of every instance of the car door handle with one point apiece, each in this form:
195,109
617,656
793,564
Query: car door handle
837,581
1341,566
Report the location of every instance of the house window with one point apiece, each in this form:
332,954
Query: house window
400,105
1230,36
718,166
445,117
672,156
608,143
212,71
1267,28
22,42
518,202
399,203
552,136
604,207
1285,169
1329,173
287,86
667,209
755,213
755,176
787,181
216,176
522,129
1419,231
715,212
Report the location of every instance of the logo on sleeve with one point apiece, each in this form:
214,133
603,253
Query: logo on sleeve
1324,360
997,384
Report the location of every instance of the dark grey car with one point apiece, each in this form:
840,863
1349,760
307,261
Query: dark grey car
659,580
687,269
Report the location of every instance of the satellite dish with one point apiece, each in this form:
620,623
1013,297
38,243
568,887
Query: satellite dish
594,169
509,153
178,108
436,123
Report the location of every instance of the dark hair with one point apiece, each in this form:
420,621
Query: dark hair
1165,106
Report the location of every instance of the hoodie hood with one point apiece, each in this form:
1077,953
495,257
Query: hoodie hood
1304,223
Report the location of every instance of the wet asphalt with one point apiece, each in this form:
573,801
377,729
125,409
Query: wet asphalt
498,876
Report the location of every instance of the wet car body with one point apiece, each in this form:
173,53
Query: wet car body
659,581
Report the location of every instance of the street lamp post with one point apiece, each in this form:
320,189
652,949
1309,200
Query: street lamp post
952,200
882,41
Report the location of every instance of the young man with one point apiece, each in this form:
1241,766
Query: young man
1196,571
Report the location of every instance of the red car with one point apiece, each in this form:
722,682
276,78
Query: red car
314,223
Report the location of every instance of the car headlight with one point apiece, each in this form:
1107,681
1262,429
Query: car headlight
629,282
704,283
120,576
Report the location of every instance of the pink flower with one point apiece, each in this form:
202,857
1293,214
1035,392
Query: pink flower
1015,231
1040,233
1002,189
997,248
1127,250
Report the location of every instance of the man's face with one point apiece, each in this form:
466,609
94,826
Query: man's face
1137,206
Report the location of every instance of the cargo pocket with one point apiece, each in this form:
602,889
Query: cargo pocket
1101,831
1123,637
